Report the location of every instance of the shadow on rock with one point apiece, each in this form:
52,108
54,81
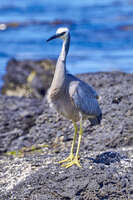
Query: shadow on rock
108,157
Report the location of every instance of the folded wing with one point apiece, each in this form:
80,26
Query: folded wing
85,99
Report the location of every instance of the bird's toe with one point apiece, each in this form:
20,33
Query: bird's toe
68,159
75,161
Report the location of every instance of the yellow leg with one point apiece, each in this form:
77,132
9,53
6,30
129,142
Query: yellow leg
75,160
71,156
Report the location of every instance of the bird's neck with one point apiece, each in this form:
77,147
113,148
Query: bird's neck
60,71
65,49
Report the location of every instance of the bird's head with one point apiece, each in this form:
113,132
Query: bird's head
60,33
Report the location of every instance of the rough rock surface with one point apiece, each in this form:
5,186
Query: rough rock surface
16,24
28,78
106,150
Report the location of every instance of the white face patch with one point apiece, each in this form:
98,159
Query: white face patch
61,30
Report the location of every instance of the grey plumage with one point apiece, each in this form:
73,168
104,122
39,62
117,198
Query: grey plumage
70,96
68,92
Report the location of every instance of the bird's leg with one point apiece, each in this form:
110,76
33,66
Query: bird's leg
71,156
75,160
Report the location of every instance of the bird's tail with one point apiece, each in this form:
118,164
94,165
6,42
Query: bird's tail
96,120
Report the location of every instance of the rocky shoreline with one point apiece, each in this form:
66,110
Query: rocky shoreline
34,138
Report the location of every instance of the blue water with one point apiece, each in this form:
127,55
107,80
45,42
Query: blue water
101,33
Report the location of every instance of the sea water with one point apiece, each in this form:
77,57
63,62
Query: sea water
101,33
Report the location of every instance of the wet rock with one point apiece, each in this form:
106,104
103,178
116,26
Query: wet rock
105,154
28,78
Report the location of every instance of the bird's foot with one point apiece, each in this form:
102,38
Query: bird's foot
75,161
68,159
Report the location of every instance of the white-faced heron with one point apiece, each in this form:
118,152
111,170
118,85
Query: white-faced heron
72,97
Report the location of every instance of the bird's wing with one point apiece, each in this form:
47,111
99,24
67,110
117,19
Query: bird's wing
84,97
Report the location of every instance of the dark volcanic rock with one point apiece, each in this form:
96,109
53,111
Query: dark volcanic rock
17,117
49,181
28,78
106,150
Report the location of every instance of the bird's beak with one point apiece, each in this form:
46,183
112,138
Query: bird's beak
55,36
51,38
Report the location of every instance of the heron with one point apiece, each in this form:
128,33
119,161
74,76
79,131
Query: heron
72,98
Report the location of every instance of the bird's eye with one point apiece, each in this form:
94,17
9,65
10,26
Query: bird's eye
61,34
